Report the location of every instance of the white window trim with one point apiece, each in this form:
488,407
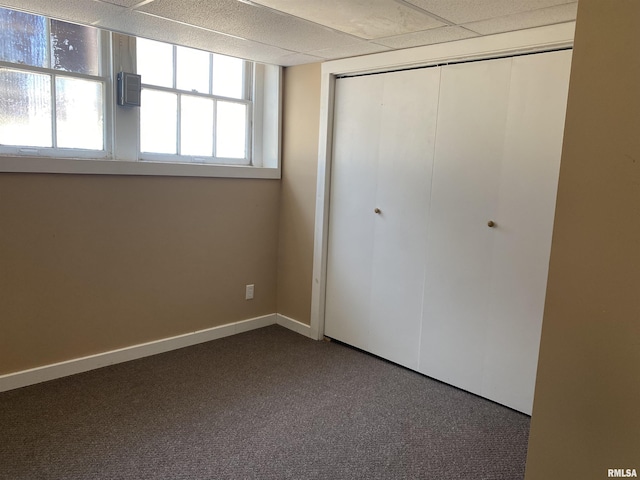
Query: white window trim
121,167
121,156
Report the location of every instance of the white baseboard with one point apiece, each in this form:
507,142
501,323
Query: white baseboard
295,325
78,365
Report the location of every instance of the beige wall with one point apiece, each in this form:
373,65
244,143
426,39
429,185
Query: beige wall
94,263
586,415
301,115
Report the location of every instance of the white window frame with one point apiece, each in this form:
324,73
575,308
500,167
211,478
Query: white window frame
121,148
104,77
246,100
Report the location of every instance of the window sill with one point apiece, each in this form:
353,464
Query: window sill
119,167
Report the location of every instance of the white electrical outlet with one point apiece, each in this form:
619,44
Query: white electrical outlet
248,292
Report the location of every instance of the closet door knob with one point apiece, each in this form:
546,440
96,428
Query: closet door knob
491,223
377,210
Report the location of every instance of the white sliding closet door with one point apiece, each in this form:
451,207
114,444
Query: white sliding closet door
471,128
354,178
497,159
522,240
384,129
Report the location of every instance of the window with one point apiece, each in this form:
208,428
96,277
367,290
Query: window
196,105
53,95
202,113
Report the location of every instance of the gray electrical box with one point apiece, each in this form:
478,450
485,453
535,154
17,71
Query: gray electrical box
129,89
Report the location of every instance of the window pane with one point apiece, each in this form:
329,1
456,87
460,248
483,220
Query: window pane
158,121
196,126
227,76
74,48
23,38
79,116
25,108
155,62
231,121
192,70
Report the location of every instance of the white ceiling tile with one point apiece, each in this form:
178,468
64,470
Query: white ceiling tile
428,37
164,30
118,19
250,22
261,33
77,11
366,19
355,50
464,11
546,16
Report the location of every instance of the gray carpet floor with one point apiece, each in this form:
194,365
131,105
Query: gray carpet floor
266,404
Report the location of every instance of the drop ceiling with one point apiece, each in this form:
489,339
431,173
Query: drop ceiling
293,32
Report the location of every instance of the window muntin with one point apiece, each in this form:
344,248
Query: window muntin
51,93
213,106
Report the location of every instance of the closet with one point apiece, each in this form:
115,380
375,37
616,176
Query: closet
441,209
